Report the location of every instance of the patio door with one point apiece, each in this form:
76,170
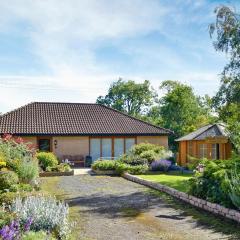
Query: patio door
106,148
95,148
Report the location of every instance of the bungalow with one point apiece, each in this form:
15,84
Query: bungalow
77,130
211,142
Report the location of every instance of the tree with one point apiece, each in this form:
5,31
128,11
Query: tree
226,31
129,97
179,110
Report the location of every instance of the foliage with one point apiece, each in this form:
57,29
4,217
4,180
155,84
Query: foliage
7,179
192,163
133,160
5,217
129,97
47,214
145,153
13,150
62,167
21,188
27,170
47,159
234,183
225,31
41,235
104,165
3,165
161,165
212,184
180,110
132,169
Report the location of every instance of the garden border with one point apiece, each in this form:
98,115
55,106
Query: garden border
56,174
196,202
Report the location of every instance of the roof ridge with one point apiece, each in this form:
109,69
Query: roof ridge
210,126
125,114
16,109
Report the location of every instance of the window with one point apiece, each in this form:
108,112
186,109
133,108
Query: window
107,147
129,142
215,151
44,145
202,150
118,147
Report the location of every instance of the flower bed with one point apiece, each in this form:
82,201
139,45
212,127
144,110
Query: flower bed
55,174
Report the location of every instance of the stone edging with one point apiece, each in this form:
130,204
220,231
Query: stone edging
197,202
56,174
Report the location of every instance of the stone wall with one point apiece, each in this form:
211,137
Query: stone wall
197,202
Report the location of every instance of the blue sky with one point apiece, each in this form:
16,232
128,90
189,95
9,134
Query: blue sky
71,50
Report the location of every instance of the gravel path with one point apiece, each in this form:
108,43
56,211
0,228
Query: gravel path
112,208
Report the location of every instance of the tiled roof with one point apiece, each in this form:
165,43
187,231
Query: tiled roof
210,130
73,119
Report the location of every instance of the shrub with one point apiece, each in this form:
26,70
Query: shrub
104,165
193,163
14,150
212,184
234,187
161,165
63,167
47,159
149,155
5,217
3,165
47,214
132,160
135,170
27,170
145,152
7,179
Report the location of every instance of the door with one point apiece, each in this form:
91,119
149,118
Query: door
106,148
95,148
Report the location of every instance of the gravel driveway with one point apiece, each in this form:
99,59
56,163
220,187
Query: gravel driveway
112,208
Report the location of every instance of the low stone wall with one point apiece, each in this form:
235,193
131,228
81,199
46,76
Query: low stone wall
197,202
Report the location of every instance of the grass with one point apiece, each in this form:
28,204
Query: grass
174,179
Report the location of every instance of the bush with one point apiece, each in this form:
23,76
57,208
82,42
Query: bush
27,170
161,165
21,188
149,155
212,184
7,179
132,160
234,189
63,167
5,217
145,152
193,163
47,159
14,150
3,165
104,165
135,170
47,214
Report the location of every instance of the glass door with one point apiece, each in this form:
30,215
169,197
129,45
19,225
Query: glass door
106,148
118,147
95,148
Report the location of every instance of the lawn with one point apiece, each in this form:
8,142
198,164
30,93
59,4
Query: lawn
174,179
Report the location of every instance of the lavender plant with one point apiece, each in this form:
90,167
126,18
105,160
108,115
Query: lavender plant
47,214
161,165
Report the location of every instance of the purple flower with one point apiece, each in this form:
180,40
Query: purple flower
27,225
161,165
